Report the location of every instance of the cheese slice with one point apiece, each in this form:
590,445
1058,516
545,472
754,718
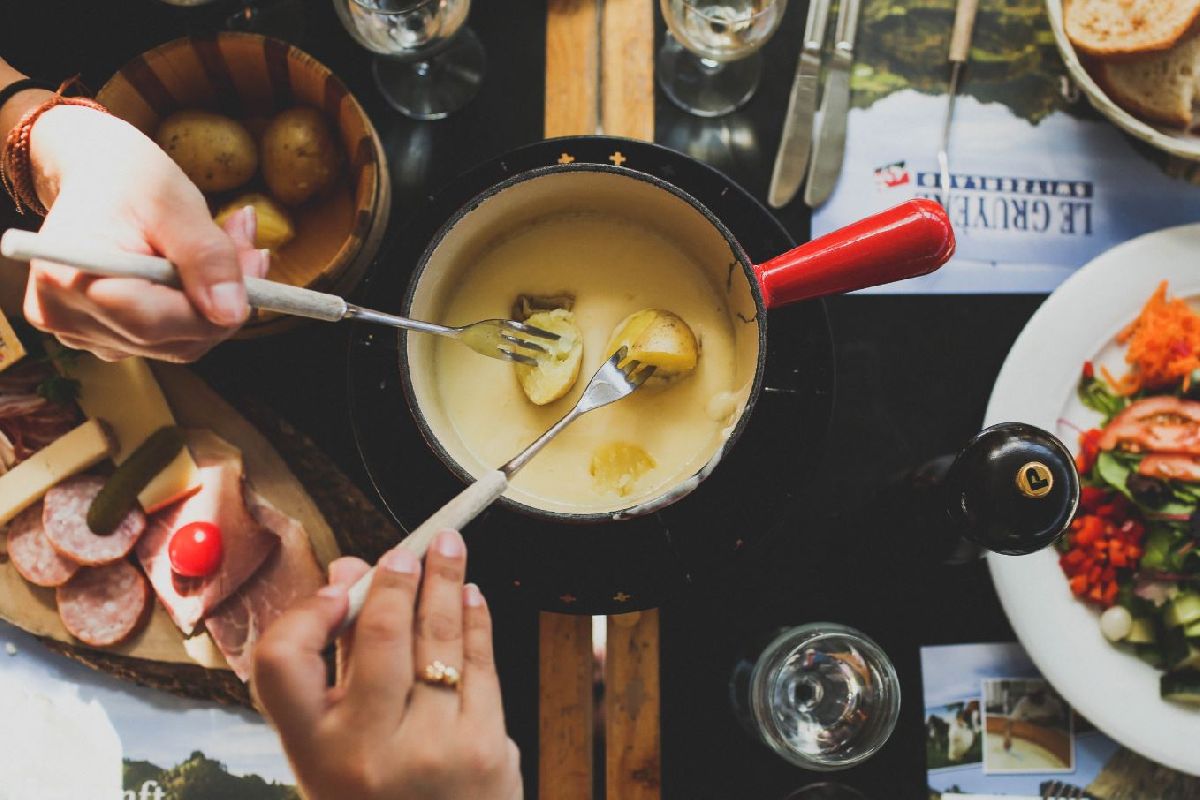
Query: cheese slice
68,455
11,349
127,397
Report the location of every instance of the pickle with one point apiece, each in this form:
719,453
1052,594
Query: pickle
120,492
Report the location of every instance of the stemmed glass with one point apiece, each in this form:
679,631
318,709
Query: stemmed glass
710,64
428,64
823,696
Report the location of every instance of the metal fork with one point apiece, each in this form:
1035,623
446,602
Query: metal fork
615,379
1058,790
497,338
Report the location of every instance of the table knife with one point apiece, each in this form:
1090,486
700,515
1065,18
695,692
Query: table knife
960,50
835,106
795,146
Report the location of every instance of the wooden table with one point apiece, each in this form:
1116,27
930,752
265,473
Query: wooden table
584,40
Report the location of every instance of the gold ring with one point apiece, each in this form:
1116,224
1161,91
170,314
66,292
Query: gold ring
439,674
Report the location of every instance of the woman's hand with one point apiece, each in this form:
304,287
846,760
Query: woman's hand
108,185
379,732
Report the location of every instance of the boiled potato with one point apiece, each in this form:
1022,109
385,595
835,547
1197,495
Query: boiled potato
617,466
300,158
274,228
658,338
216,152
557,370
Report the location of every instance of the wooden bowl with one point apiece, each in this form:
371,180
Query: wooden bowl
250,78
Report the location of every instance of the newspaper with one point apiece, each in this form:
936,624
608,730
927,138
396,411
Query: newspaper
1041,183
142,744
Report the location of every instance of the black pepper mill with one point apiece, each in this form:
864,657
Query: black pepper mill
1013,490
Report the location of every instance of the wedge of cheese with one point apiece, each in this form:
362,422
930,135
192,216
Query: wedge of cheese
11,350
127,397
68,455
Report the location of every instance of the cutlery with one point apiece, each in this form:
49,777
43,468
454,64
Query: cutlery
613,381
960,51
835,106
795,145
496,338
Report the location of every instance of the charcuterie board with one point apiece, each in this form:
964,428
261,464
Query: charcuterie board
157,654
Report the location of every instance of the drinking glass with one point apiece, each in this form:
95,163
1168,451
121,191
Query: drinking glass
823,696
710,64
826,791
427,63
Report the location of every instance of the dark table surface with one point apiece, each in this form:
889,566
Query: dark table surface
913,377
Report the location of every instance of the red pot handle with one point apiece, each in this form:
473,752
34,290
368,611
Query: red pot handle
912,239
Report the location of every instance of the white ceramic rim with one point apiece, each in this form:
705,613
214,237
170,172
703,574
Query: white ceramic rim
1177,143
1117,692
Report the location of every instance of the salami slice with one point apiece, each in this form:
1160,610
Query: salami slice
31,553
102,606
65,520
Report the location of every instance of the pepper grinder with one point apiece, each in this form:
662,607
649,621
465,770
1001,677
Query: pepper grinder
1013,489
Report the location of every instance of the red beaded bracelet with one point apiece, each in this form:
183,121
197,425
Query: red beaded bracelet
16,167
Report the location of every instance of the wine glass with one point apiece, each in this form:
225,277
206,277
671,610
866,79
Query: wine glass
826,791
427,63
823,696
710,64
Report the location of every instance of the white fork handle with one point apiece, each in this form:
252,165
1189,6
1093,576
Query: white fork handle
264,294
465,506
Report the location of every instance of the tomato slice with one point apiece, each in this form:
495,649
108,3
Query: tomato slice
195,550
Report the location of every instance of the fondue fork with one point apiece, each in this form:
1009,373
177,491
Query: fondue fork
496,338
611,382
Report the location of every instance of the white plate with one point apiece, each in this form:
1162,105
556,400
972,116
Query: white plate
1077,323
1172,140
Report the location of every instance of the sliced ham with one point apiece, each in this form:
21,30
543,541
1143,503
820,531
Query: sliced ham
246,543
1155,425
1172,467
34,557
290,574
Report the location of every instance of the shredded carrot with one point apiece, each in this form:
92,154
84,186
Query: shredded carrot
1164,345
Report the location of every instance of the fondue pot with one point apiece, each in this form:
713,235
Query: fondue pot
630,557
906,241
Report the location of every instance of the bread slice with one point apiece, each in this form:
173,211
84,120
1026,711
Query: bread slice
1124,27
1158,87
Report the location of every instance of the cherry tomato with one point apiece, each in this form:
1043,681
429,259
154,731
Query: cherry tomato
195,549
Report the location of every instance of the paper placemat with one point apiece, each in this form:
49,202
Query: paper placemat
1041,183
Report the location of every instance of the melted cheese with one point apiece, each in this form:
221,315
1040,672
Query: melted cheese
613,267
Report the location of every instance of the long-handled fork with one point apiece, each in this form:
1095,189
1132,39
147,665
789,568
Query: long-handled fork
611,382
497,338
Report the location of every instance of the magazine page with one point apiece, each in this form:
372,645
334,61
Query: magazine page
116,740
1041,183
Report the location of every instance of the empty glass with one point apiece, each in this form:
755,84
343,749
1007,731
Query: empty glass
710,64
428,64
823,696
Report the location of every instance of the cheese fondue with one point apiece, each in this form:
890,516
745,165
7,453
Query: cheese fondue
613,267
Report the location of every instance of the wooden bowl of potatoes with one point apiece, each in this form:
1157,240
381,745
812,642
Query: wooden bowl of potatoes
256,121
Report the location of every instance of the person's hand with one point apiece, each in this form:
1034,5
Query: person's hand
107,185
379,732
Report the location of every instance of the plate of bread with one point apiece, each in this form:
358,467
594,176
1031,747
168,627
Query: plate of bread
1138,62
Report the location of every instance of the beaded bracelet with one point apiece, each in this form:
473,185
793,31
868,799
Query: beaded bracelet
16,167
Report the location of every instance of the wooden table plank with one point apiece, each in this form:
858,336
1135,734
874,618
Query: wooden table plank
572,67
632,737
627,74
565,707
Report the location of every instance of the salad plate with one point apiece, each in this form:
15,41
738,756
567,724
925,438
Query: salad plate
1079,323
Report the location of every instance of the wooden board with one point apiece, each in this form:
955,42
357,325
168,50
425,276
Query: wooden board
157,655
632,742
565,707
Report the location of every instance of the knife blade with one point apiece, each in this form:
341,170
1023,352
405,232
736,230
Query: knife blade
795,145
835,106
